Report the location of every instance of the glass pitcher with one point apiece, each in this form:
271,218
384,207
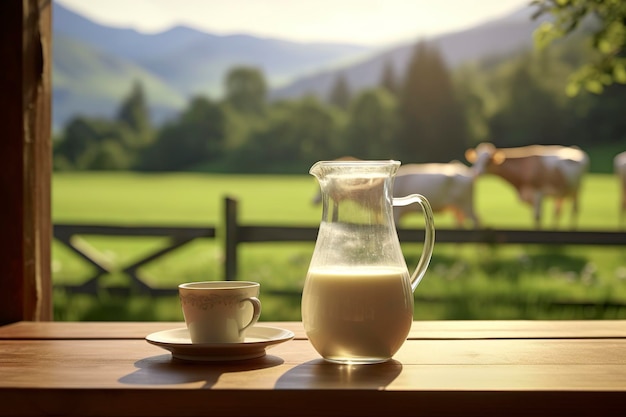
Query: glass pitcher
357,301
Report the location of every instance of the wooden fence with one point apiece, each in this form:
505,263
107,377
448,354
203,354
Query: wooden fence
236,234
69,235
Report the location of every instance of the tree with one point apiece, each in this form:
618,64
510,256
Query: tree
90,143
340,93
372,125
522,101
607,26
197,137
134,113
432,124
476,99
317,128
530,112
79,135
246,90
108,156
599,118
388,79
94,143
295,136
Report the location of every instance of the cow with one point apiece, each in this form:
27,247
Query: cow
620,170
536,171
446,186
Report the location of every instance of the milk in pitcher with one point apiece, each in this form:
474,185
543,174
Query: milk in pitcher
357,314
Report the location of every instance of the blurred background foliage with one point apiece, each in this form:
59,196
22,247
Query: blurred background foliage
427,114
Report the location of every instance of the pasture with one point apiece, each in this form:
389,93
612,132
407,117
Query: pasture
464,281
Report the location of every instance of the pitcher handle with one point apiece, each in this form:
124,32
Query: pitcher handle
429,236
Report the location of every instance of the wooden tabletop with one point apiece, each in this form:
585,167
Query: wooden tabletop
444,368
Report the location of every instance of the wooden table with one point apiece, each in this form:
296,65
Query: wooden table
527,368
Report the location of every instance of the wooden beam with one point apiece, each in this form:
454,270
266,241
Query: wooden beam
25,155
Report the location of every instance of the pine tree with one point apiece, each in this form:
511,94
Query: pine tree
340,94
388,79
432,125
134,113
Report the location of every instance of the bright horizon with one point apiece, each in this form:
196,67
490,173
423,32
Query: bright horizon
342,21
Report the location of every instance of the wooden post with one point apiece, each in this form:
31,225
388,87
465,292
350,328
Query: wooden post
25,153
231,239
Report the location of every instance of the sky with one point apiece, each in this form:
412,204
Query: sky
365,22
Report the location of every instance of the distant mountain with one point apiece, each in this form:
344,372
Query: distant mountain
507,35
90,82
95,65
206,61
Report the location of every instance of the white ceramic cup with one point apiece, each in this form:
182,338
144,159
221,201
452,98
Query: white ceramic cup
219,311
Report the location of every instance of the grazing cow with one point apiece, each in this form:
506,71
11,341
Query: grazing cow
620,171
447,187
535,171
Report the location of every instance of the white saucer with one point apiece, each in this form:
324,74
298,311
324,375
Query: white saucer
258,338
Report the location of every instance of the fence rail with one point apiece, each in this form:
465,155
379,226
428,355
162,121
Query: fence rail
70,236
236,234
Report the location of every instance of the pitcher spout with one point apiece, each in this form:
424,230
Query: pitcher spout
316,169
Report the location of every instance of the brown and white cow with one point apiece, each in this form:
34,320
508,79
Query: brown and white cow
536,172
620,171
446,186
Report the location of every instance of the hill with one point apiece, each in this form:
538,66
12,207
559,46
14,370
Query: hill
94,65
507,35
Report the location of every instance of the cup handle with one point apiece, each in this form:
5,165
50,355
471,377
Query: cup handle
429,236
256,312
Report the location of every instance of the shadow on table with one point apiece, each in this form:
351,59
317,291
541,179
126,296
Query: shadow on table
164,370
320,374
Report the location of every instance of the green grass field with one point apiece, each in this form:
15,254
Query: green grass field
464,281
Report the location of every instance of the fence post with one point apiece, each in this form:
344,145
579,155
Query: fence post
231,239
